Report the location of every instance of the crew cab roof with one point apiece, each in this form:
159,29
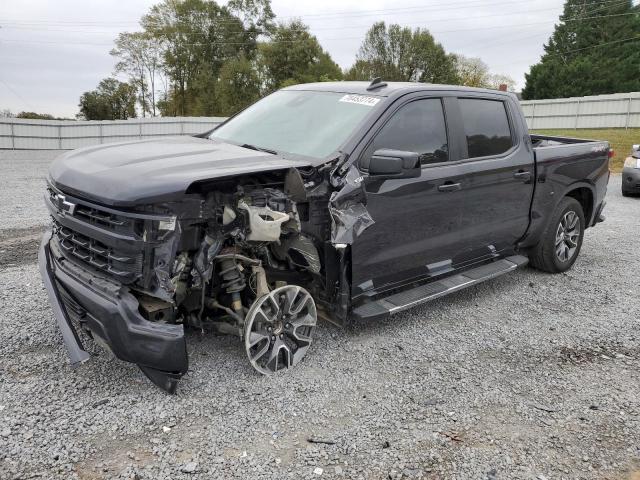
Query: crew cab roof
389,88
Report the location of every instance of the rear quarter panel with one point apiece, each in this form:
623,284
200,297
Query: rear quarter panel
561,169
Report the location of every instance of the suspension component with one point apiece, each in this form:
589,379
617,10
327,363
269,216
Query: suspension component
233,282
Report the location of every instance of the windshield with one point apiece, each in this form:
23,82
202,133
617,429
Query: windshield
311,124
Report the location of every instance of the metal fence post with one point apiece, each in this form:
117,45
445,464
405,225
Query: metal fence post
100,133
59,137
575,126
13,137
140,130
533,115
626,123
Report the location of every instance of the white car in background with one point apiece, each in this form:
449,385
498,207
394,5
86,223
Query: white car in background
631,173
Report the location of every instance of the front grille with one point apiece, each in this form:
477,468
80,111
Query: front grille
99,238
101,218
126,266
121,244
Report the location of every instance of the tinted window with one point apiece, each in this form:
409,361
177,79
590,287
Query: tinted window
417,127
486,126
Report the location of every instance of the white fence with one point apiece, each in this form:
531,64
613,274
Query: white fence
18,133
620,110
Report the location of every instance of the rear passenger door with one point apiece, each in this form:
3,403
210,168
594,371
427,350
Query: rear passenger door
497,177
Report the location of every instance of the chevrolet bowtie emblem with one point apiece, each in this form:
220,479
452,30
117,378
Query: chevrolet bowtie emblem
64,205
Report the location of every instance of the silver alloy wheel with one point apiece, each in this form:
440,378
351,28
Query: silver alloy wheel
279,328
568,236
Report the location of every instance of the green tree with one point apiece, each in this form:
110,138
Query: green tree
256,15
238,86
398,53
293,56
130,49
473,72
595,49
140,58
35,116
198,37
112,100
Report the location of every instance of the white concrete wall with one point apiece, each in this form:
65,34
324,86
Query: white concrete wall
620,110
18,133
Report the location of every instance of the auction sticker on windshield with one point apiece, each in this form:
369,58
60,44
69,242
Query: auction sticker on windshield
360,99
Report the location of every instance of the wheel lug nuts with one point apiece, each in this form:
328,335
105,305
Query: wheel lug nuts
269,329
281,336
287,326
273,337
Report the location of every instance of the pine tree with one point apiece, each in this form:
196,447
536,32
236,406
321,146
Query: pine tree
595,49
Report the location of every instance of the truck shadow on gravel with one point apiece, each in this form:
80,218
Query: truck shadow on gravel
19,246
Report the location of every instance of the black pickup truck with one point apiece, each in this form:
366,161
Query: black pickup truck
343,201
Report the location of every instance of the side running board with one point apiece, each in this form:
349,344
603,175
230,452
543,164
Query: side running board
398,302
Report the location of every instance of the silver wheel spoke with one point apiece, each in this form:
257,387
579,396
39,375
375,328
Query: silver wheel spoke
260,353
301,301
272,361
255,338
568,236
304,320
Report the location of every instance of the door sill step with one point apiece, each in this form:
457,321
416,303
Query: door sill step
398,302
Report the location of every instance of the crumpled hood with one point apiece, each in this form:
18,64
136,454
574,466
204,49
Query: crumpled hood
151,170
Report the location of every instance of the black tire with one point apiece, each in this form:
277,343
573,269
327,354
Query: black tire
547,255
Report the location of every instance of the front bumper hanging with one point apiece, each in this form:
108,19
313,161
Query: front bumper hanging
110,312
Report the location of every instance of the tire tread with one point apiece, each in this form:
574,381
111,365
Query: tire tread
541,257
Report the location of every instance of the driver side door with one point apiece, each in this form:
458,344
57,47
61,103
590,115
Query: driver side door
417,220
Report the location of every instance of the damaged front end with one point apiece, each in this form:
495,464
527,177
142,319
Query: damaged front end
259,256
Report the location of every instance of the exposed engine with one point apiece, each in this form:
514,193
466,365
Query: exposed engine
240,267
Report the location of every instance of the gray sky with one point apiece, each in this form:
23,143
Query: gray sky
51,52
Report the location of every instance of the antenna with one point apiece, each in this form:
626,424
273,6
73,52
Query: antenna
375,84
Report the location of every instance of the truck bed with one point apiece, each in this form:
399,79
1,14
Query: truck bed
548,148
541,141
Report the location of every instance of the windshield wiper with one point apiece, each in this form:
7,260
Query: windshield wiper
259,149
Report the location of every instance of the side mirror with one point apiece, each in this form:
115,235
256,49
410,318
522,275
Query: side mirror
394,164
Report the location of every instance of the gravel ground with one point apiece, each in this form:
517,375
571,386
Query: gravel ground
529,376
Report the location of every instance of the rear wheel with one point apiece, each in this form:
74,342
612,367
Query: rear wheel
561,241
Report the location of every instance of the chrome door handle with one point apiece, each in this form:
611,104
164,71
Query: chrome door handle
449,187
522,175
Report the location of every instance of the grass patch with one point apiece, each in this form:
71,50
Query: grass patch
619,138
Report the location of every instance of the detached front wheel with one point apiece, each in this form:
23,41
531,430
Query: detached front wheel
279,328
561,241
